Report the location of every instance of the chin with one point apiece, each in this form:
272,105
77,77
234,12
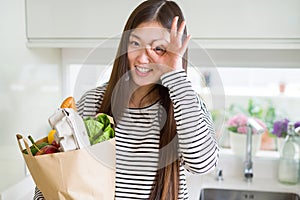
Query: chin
141,82
144,81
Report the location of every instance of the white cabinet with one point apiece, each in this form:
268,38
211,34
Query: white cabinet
271,23
243,18
76,19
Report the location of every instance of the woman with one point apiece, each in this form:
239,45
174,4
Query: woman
162,126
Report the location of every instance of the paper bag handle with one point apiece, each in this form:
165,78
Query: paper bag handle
20,137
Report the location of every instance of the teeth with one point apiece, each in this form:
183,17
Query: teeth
143,69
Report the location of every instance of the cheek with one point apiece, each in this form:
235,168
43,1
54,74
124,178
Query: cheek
131,55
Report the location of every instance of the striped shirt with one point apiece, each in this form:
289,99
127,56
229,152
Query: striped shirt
138,135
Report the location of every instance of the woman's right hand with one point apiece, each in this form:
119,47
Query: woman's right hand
171,58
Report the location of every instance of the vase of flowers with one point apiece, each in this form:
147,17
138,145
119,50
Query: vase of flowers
280,131
237,127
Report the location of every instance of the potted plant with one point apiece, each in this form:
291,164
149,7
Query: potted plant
237,127
280,130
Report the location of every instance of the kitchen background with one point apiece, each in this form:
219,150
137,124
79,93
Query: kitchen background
253,47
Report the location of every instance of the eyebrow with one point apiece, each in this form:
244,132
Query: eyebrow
136,36
133,35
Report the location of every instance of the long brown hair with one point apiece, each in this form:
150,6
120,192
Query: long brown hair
166,185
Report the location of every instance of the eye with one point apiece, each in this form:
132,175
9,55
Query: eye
159,50
134,43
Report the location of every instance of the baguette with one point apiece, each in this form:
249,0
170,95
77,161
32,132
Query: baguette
69,102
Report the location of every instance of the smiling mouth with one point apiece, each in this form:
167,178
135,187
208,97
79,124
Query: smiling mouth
143,69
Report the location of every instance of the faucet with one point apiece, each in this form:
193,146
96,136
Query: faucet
219,175
248,164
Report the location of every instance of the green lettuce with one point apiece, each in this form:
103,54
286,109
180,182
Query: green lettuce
99,129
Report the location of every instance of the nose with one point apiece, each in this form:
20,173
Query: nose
143,55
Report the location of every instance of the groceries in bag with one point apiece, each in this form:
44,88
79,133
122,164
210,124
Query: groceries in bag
81,168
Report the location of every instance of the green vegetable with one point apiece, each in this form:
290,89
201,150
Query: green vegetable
109,132
99,128
94,127
34,148
103,119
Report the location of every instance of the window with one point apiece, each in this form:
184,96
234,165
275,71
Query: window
226,90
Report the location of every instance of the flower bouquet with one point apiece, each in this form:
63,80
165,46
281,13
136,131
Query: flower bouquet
237,127
280,130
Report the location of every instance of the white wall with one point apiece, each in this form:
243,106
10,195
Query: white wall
30,89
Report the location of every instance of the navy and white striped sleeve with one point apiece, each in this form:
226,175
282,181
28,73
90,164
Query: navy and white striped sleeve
38,195
198,147
90,102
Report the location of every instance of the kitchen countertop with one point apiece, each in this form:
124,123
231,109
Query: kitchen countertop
197,182
265,177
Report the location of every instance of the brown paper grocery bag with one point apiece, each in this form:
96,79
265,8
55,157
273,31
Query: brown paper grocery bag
87,174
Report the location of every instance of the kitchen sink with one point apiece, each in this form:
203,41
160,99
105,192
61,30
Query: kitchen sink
234,194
